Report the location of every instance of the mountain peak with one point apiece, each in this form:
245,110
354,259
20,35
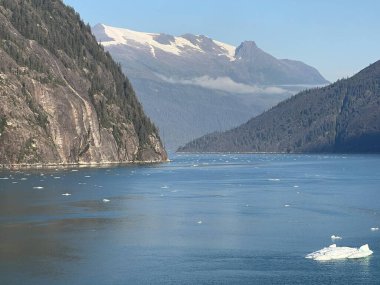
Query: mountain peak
246,50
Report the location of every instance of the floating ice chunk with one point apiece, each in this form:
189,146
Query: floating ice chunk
286,205
164,187
87,176
199,222
295,186
374,229
24,178
57,177
38,187
106,200
74,170
4,178
274,179
333,252
335,237
66,194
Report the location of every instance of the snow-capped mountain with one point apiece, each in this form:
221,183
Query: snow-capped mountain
110,36
191,85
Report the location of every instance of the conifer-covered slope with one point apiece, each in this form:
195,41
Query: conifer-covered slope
342,117
63,99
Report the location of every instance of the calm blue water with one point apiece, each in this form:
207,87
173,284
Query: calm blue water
200,219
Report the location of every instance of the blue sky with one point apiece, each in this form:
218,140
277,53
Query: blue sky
338,37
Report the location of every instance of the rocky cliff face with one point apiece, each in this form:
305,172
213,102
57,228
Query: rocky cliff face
63,99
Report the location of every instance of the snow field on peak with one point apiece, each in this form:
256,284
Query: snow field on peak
121,36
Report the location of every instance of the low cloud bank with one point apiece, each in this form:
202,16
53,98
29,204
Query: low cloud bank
224,84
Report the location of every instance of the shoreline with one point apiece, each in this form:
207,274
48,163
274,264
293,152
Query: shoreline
78,165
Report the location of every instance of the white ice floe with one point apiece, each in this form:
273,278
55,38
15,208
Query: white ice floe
38,187
286,205
87,176
66,194
106,200
335,237
74,170
374,229
334,252
57,177
199,222
4,178
274,179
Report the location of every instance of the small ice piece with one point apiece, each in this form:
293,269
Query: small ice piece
274,179
74,170
374,229
295,186
4,178
87,176
286,205
57,177
14,182
334,252
38,187
333,237
24,178
199,222
66,194
106,200
164,187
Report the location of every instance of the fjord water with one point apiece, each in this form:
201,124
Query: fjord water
200,219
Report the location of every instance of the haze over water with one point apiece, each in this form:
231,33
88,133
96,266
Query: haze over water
200,219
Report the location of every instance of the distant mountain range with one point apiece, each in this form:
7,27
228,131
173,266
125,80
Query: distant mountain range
341,117
192,85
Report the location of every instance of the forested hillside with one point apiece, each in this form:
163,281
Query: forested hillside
64,100
342,117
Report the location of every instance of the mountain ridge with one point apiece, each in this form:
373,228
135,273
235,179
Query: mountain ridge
341,117
191,85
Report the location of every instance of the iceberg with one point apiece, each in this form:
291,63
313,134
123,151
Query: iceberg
334,252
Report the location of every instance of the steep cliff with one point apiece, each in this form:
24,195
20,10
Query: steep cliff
63,99
342,117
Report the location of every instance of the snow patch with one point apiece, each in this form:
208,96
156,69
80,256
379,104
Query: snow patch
122,36
230,50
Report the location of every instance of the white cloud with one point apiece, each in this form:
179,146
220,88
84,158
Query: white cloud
224,84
